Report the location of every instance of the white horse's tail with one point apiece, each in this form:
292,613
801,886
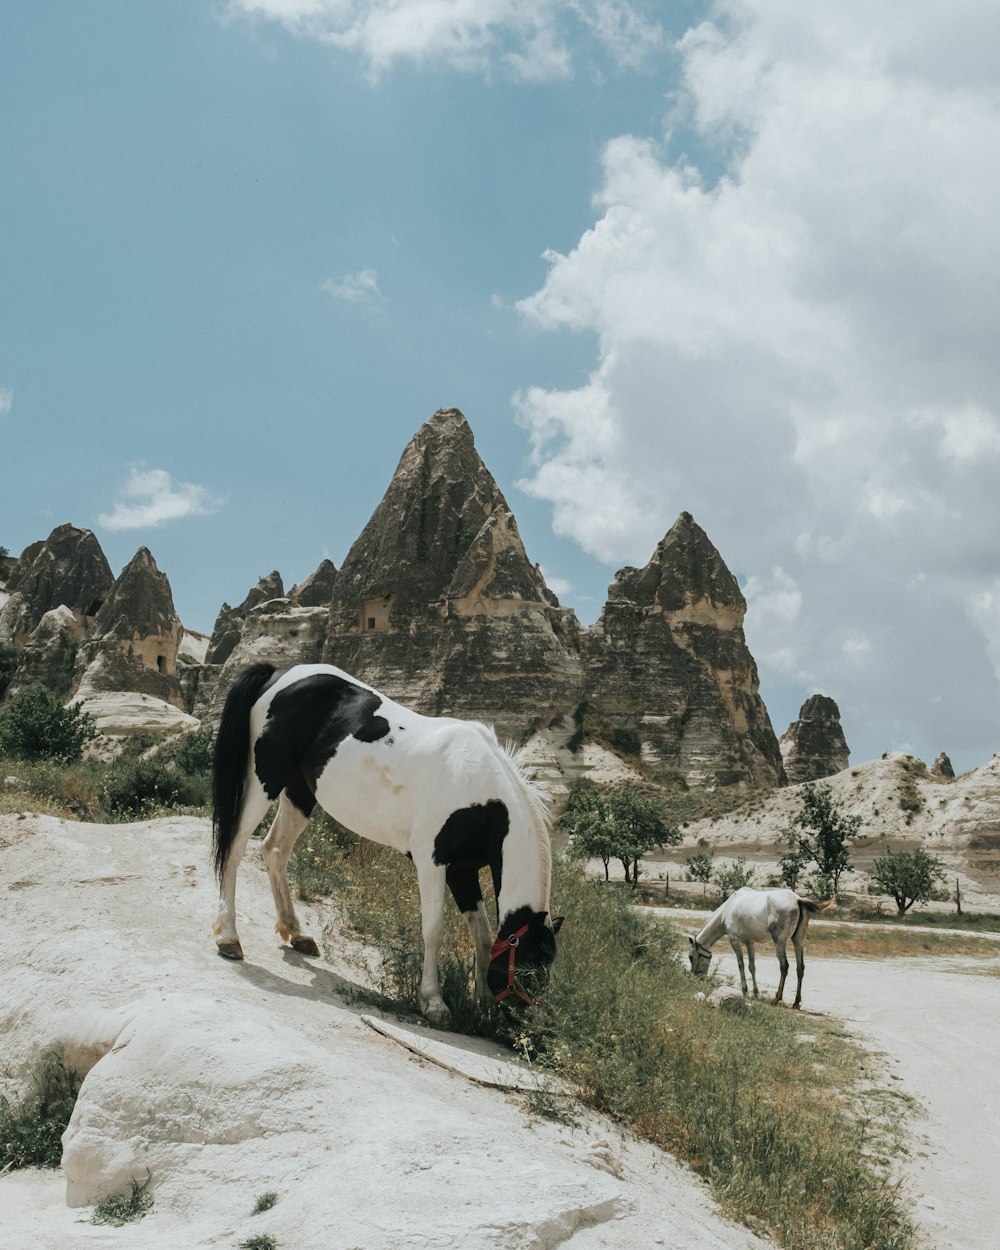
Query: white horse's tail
807,908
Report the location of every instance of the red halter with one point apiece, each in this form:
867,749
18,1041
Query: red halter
510,945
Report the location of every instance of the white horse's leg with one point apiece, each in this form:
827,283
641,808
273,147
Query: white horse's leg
255,804
753,969
738,948
275,850
431,880
779,950
800,967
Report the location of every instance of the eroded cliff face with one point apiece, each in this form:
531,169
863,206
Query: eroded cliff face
667,660
437,602
67,569
814,746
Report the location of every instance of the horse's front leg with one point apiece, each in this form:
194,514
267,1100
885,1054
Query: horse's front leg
463,881
431,880
738,949
275,850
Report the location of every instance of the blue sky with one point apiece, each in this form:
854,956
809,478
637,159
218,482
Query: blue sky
736,258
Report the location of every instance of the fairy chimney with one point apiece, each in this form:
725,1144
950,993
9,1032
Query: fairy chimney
667,662
814,746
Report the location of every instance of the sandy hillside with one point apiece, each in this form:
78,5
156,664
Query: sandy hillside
228,1080
900,806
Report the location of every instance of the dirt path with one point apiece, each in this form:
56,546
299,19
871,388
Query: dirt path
939,1026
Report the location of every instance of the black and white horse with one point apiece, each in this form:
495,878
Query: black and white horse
750,916
442,791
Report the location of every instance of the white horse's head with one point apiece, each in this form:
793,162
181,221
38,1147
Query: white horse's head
700,957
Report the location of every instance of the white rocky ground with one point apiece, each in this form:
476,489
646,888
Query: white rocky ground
228,1080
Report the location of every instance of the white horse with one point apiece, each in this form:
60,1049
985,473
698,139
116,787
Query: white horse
442,791
750,916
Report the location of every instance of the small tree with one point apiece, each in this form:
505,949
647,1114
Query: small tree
636,824
620,825
733,876
699,868
790,867
36,726
909,876
819,834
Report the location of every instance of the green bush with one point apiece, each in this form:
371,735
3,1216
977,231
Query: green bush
31,1128
195,754
37,726
135,789
119,1209
733,876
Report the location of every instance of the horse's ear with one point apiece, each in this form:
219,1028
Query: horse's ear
557,923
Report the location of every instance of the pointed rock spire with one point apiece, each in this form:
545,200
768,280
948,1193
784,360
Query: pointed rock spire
668,662
67,568
437,601
814,746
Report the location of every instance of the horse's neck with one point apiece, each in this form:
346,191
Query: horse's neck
524,877
712,929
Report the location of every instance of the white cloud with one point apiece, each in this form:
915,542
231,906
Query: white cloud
558,585
802,353
532,38
6,400
353,287
151,497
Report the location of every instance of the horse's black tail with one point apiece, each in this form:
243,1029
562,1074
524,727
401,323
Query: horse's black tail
229,767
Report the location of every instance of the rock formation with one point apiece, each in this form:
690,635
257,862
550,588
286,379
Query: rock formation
135,637
317,590
437,603
66,569
942,767
814,746
229,623
667,662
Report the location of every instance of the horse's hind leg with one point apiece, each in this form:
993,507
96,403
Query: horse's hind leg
779,950
275,850
463,881
753,969
227,940
738,948
800,967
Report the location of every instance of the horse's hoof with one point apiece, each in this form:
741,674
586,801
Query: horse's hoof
305,944
438,1015
230,950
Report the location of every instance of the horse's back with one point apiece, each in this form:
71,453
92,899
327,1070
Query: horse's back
756,915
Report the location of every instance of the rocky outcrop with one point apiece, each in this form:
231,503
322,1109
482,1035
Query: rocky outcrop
437,602
942,767
229,624
317,590
668,664
814,746
49,654
135,637
66,569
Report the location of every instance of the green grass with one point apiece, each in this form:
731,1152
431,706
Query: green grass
260,1241
31,1126
119,1209
265,1202
792,1135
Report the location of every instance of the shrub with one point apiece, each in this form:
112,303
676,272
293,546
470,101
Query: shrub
909,876
31,1128
195,754
135,788
819,834
699,868
36,726
733,876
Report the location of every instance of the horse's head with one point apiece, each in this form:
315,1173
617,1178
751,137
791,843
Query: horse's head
700,957
521,956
